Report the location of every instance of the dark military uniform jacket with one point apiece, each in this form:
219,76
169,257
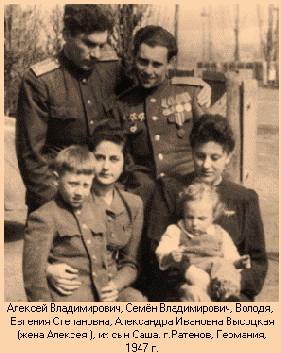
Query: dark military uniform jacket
158,122
59,105
100,241
242,221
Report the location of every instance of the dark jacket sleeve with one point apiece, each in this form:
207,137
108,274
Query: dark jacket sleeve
31,133
253,278
165,207
129,255
38,240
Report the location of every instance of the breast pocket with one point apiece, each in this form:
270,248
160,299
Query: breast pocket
121,235
63,112
67,244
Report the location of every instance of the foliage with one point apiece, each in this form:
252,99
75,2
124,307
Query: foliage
128,19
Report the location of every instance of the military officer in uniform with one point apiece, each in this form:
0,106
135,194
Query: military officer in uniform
62,99
158,114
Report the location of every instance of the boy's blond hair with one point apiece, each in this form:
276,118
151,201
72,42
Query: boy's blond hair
76,159
199,192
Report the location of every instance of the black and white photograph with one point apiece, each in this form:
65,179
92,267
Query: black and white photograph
141,153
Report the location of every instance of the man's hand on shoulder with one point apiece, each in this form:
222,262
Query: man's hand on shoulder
204,97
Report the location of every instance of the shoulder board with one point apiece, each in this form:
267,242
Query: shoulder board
191,81
108,55
45,66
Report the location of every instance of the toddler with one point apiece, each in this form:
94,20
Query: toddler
201,250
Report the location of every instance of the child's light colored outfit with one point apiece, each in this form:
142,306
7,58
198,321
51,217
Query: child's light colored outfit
209,252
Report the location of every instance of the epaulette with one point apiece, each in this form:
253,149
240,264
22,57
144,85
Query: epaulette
190,81
45,66
108,55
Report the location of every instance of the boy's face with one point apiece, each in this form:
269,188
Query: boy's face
74,188
198,216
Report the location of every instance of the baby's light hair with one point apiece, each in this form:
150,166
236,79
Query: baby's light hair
199,192
76,159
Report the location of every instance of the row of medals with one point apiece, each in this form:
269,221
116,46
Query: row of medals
174,108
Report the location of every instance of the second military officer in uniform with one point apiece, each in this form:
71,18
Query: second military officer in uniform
63,98
158,114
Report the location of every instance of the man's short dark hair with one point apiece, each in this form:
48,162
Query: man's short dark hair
153,36
88,18
213,128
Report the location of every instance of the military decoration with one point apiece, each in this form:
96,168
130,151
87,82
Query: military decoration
174,108
134,118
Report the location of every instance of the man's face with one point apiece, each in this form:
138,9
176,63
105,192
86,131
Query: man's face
152,65
84,49
74,188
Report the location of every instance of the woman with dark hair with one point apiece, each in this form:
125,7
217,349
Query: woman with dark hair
123,217
212,142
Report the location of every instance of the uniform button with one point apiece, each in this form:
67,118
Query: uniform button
94,274
157,137
78,212
160,156
84,81
94,257
155,118
152,100
161,175
89,102
84,226
91,122
88,242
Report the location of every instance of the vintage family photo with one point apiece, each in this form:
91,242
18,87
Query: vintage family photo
141,153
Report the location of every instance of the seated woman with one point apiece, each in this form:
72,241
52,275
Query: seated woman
212,143
201,249
123,217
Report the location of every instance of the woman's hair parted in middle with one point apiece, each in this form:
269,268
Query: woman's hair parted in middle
107,130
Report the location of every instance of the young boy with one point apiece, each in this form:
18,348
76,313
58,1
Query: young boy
69,230
203,251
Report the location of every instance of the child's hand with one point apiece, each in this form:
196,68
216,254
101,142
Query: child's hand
177,255
243,262
63,278
109,292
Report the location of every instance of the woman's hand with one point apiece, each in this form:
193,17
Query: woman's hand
109,292
63,278
204,96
